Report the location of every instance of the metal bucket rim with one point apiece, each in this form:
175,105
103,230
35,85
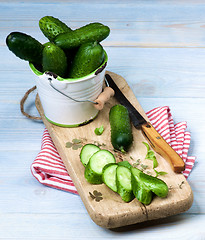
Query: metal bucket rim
74,80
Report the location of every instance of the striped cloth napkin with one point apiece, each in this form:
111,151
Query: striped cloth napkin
48,168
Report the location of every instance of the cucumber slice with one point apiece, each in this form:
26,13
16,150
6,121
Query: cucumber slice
140,190
125,164
86,152
93,170
109,176
124,186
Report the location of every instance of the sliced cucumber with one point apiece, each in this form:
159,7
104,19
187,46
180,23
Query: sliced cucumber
156,185
124,186
86,152
93,170
140,190
109,176
125,164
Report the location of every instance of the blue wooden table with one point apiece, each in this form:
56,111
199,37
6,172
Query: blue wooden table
159,48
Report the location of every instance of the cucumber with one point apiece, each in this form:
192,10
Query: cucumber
89,33
121,129
25,47
123,181
140,190
88,58
86,152
54,59
109,176
125,164
145,185
94,168
51,27
156,185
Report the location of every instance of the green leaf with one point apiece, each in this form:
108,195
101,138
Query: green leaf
155,163
99,131
147,146
151,155
159,173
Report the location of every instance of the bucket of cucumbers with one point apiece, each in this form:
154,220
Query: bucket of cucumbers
69,68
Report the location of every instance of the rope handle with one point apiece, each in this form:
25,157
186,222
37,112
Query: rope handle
22,102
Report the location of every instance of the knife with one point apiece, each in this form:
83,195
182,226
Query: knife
154,138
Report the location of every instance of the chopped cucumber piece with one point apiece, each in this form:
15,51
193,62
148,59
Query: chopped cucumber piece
124,186
125,164
86,152
145,185
93,170
109,176
156,185
140,190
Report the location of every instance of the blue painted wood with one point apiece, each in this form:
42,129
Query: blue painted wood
158,47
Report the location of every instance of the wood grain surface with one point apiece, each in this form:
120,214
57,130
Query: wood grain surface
111,211
159,48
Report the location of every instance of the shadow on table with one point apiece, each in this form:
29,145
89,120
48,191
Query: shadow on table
152,223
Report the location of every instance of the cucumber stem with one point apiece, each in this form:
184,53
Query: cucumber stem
122,149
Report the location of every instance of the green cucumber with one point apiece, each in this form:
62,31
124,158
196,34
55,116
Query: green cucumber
109,176
54,59
86,152
123,181
145,185
125,164
94,168
156,185
25,47
140,190
51,27
88,33
121,129
88,58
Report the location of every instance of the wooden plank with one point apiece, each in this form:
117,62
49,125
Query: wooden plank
78,226
112,212
73,226
146,25
150,72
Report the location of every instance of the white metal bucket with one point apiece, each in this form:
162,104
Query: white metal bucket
61,98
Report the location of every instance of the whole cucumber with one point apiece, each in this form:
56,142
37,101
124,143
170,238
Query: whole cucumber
54,59
89,33
51,27
121,129
88,58
25,47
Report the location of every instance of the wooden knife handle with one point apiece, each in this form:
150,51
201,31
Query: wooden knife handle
107,93
162,147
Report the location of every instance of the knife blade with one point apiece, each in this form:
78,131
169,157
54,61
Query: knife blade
154,138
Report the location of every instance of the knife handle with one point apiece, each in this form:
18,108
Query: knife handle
163,148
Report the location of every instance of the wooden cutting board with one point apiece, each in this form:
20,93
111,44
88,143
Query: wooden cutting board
103,205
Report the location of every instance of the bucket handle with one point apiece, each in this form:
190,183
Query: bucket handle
50,76
107,93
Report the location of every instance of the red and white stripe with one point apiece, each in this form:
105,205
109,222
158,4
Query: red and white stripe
49,169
